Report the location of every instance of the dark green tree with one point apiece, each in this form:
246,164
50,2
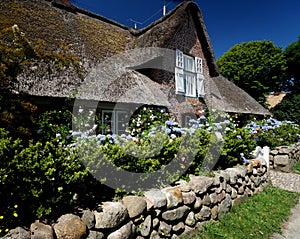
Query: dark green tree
257,67
292,53
288,108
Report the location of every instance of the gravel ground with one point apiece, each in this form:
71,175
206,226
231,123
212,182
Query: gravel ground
291,182
287,181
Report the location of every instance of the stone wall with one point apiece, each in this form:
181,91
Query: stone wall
283,158
164,213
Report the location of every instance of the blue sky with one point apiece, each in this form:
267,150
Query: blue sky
228,22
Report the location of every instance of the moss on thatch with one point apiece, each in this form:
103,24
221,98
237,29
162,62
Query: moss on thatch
93,38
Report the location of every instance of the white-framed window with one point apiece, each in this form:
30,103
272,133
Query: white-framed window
113,121
189,79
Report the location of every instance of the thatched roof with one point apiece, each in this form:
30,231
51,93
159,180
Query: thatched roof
226,96
94,38
131,87
161,32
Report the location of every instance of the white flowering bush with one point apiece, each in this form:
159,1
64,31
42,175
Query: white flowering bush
146,119
54,123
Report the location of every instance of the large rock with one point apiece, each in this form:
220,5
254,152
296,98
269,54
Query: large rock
224,175
281,160
70,226
190,219
17,233
156,197
214,212
204,213
173,195
188,197
154,235
213,198
241,170
234,193
125,232
146,226
183,185
225,206
135,205
175,214
206,200
178,228
200,184
88,218
113,214
285,150
95,235
41,231
198,203
274,152
164,229
233,175
174,236
221,196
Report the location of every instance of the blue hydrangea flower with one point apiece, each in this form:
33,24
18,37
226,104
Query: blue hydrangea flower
227,122
171,123
244,159
239,137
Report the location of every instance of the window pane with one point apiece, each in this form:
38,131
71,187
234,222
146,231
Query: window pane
122,116
190,85
198,62
179,59
107,121
189,63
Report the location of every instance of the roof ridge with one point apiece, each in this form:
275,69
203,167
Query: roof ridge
75,9
182,5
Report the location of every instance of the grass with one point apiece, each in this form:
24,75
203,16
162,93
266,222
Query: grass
259,217
296,168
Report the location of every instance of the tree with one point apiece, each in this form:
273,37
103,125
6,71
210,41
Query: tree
292,53
288,108
257,67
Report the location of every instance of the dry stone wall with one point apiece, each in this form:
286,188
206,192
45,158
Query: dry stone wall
160,213
283,158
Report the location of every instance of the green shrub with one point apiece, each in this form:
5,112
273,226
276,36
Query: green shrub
8,149
54,123
17,116
44,180
147,155
237,141
286,134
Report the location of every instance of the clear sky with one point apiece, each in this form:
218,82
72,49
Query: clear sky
228,22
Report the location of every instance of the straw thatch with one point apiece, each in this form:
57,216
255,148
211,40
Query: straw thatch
226,96
94,38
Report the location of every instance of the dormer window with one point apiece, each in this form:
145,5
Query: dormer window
189,77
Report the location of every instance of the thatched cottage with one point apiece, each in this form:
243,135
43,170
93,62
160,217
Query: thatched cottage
169,63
